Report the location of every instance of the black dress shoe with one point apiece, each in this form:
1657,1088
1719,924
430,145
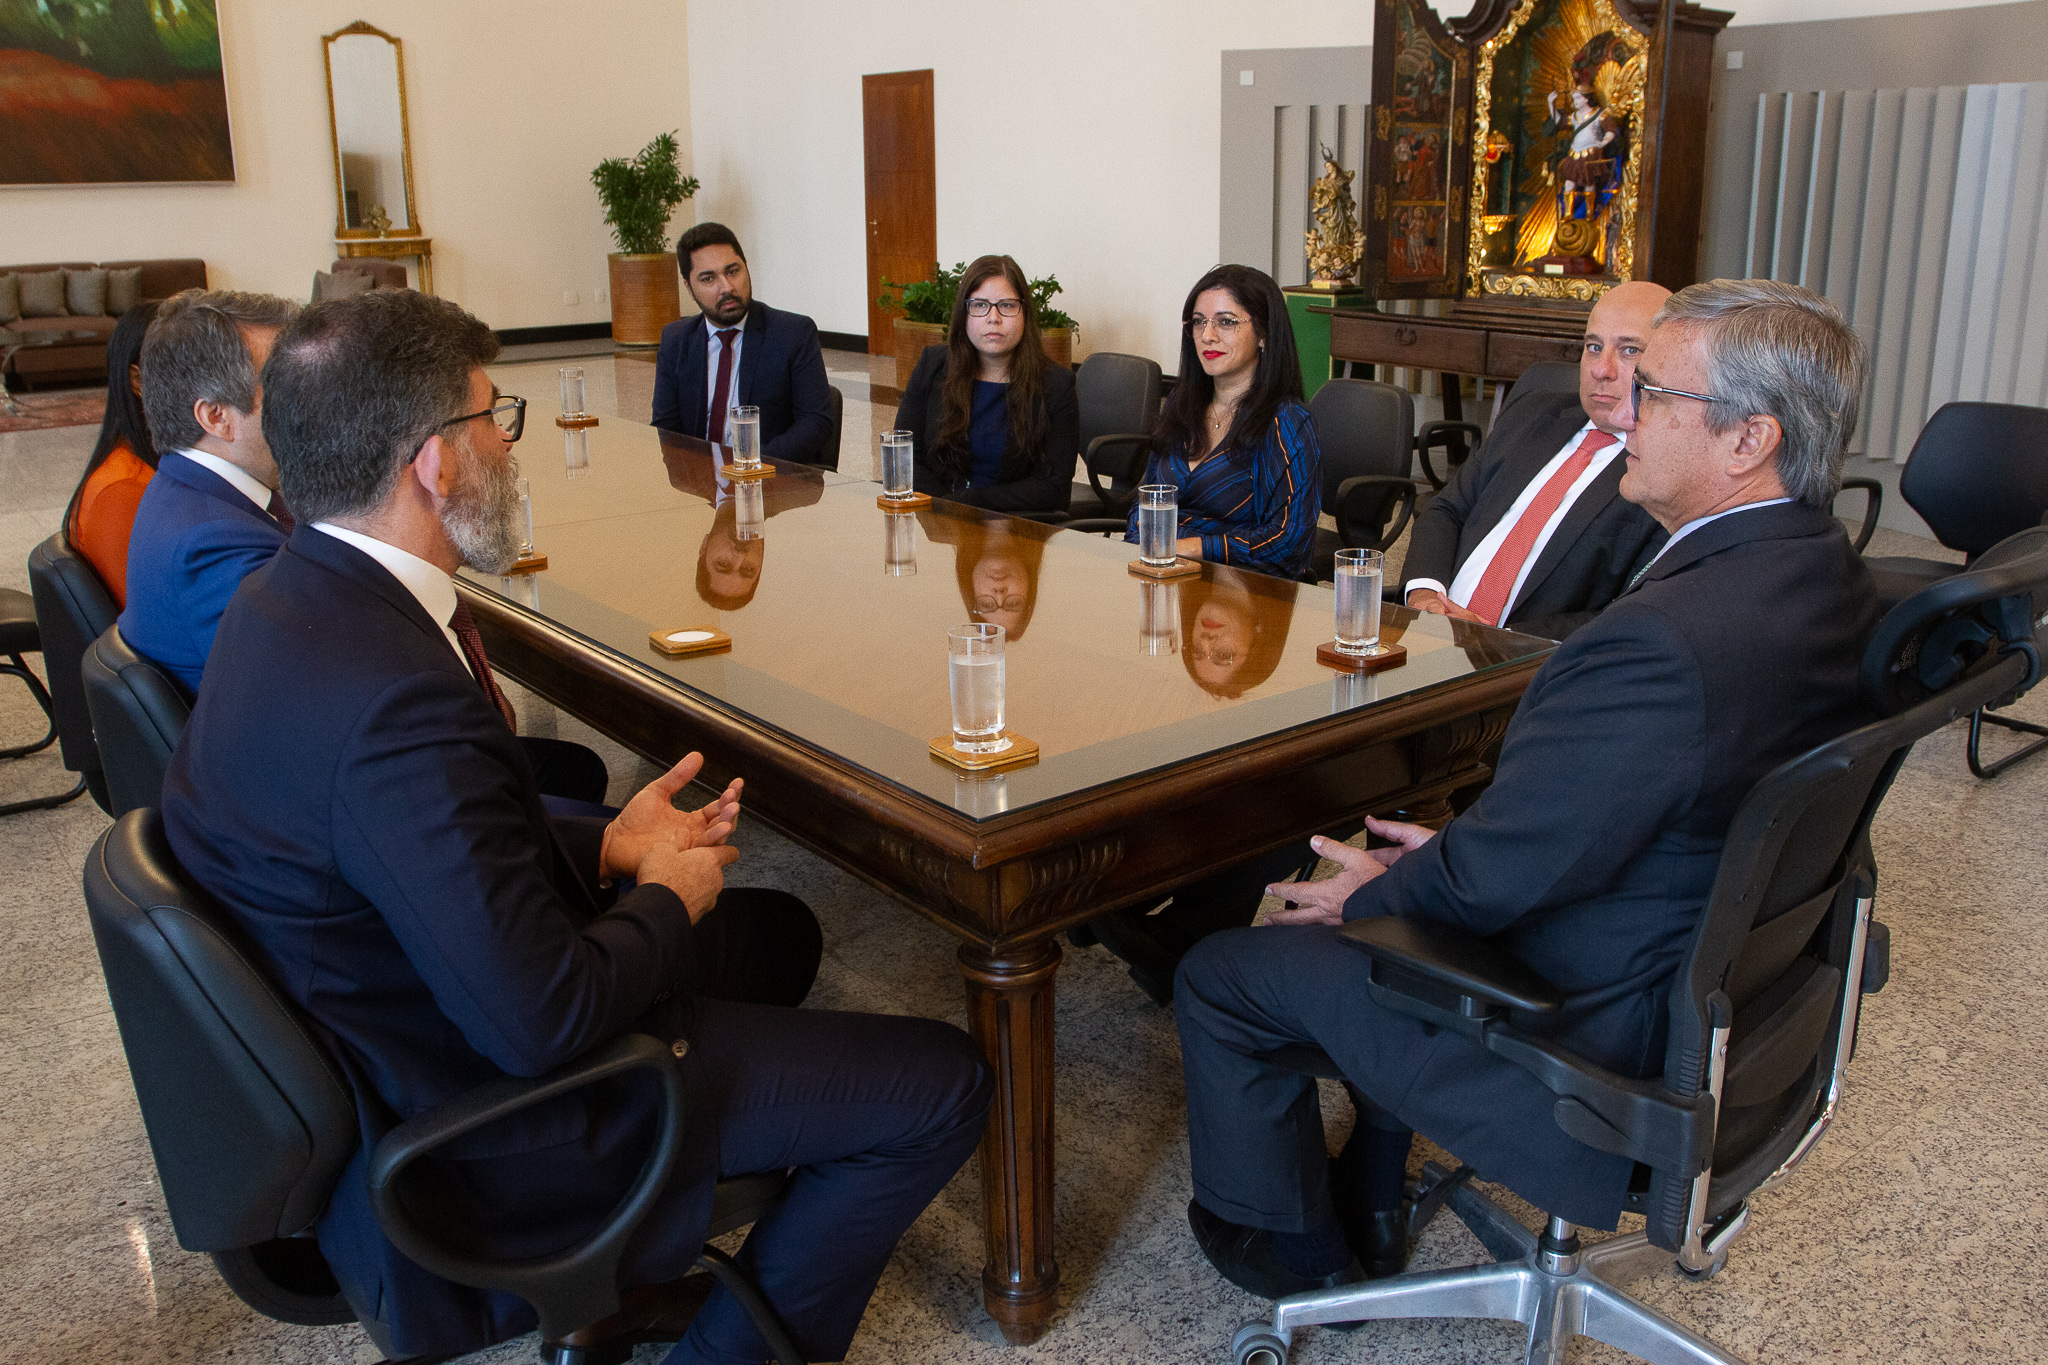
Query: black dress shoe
647,1313
1245,1257
1380,1242
1153,962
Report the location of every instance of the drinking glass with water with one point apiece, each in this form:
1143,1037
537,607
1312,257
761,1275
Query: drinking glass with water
1358,602
746,437
525,519
896,465
975,673
572,392
1158,523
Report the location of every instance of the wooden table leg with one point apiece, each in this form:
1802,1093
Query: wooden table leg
1009,1011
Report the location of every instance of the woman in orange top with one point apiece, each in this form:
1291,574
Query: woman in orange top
102,511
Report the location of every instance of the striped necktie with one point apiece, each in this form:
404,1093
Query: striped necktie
464,626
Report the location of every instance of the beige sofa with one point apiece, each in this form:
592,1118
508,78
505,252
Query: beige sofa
85,358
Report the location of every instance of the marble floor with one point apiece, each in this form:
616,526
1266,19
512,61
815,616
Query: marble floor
1914,1234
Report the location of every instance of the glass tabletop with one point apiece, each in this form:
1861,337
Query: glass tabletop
838,612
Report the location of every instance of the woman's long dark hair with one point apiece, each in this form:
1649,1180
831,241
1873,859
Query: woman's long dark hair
124,422
963,367
1277,378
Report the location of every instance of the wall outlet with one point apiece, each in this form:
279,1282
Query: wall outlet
571,297
1735,61
1244,78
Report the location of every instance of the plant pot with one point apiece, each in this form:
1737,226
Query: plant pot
911,339
647,295
1058,343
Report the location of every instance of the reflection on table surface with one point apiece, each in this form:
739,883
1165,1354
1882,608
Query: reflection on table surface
838,613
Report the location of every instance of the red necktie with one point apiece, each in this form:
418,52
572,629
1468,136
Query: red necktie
279,513
715,432
464,626
1490,598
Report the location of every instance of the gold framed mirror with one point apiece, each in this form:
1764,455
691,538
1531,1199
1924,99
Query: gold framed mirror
366,114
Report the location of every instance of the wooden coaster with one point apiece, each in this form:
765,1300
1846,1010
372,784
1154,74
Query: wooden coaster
573,423
1021,750
1328,655
532,563
908,504
1182,567
733,471
712,639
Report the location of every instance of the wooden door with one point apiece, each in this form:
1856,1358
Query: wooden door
902,197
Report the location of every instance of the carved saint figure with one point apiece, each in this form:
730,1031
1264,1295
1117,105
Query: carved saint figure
1586,164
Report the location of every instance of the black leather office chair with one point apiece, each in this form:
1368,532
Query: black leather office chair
73,608
1762,1015
19,636
138,712
1977,474
1365,431
1118,397
251,1124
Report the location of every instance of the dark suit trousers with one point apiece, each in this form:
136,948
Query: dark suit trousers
875,1113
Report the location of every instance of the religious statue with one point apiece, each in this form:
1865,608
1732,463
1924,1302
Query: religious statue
1334,246
378,221
1586,165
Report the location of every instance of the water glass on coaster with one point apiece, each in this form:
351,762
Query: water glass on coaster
745,426
1357,645
974,674
1158,532
899,545
529,560
572,393
899,472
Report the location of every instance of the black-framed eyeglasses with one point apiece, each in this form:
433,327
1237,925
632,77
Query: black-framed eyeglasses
1226,323
1640,388
508,414
1009,308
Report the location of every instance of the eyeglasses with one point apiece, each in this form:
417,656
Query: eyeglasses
989,602
1009,308
508,414
1226,323
1640,388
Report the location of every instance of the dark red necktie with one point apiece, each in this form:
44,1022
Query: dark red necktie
464,626
715,431
1490,598
279,513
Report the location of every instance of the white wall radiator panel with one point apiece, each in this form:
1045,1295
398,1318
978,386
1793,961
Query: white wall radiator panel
1920,213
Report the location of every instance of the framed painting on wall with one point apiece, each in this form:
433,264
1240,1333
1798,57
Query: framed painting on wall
112,92
1414,238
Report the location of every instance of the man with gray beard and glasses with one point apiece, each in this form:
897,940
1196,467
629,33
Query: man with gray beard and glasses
350,789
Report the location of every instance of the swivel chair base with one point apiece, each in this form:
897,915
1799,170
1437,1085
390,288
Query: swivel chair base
1550,1283
1981,718
20,670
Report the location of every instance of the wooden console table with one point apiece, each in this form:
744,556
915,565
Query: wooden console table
420,249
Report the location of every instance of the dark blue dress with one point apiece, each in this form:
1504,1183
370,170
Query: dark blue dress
988,433
1254,508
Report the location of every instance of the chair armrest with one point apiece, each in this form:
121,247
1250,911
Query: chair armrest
1874,501
1484,979
1404,490
572,1288
1098,525
1129,466
1435,433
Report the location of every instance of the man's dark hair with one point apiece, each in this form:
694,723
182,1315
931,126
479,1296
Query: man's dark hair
354,388
703,235
194,352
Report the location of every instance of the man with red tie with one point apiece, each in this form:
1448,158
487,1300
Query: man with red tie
1533,533
739,352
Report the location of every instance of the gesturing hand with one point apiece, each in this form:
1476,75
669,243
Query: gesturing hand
1323,902
650,820
696,875
1436,604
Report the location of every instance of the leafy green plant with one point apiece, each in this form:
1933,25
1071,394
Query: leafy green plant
931,300
639,195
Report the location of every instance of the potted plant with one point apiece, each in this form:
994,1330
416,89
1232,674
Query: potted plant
638,196
927,308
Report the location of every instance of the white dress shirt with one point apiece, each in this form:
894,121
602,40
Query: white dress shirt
238,478
434,588
1466,583
713,348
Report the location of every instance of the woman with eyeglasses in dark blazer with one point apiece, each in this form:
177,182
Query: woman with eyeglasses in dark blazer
995,422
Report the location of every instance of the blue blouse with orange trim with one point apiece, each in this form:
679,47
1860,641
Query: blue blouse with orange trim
1254,509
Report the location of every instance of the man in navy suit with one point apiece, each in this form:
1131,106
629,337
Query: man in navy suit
349,789
739,352
1533,533
209,516
1590,856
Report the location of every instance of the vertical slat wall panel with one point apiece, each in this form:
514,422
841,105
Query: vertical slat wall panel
1923,215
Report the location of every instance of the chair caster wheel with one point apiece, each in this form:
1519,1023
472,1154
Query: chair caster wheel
1702,1276
1256,1343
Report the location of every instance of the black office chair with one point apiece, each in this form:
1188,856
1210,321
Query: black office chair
73,608
836,401
251,1124
1762,1015
1977,474
19,636
138,712
1118,397
1365,431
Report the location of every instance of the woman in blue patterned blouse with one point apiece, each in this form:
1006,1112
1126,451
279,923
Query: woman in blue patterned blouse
1234,436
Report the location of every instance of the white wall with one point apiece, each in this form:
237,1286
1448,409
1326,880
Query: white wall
1080,136
511,105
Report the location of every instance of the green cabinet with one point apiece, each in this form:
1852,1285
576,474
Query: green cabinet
1312,330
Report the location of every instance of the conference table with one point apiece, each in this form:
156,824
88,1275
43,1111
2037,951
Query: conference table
1181,726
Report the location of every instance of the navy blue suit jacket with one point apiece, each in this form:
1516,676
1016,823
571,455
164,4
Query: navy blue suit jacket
364,814
1586,563
195,539
782,372
1593,852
